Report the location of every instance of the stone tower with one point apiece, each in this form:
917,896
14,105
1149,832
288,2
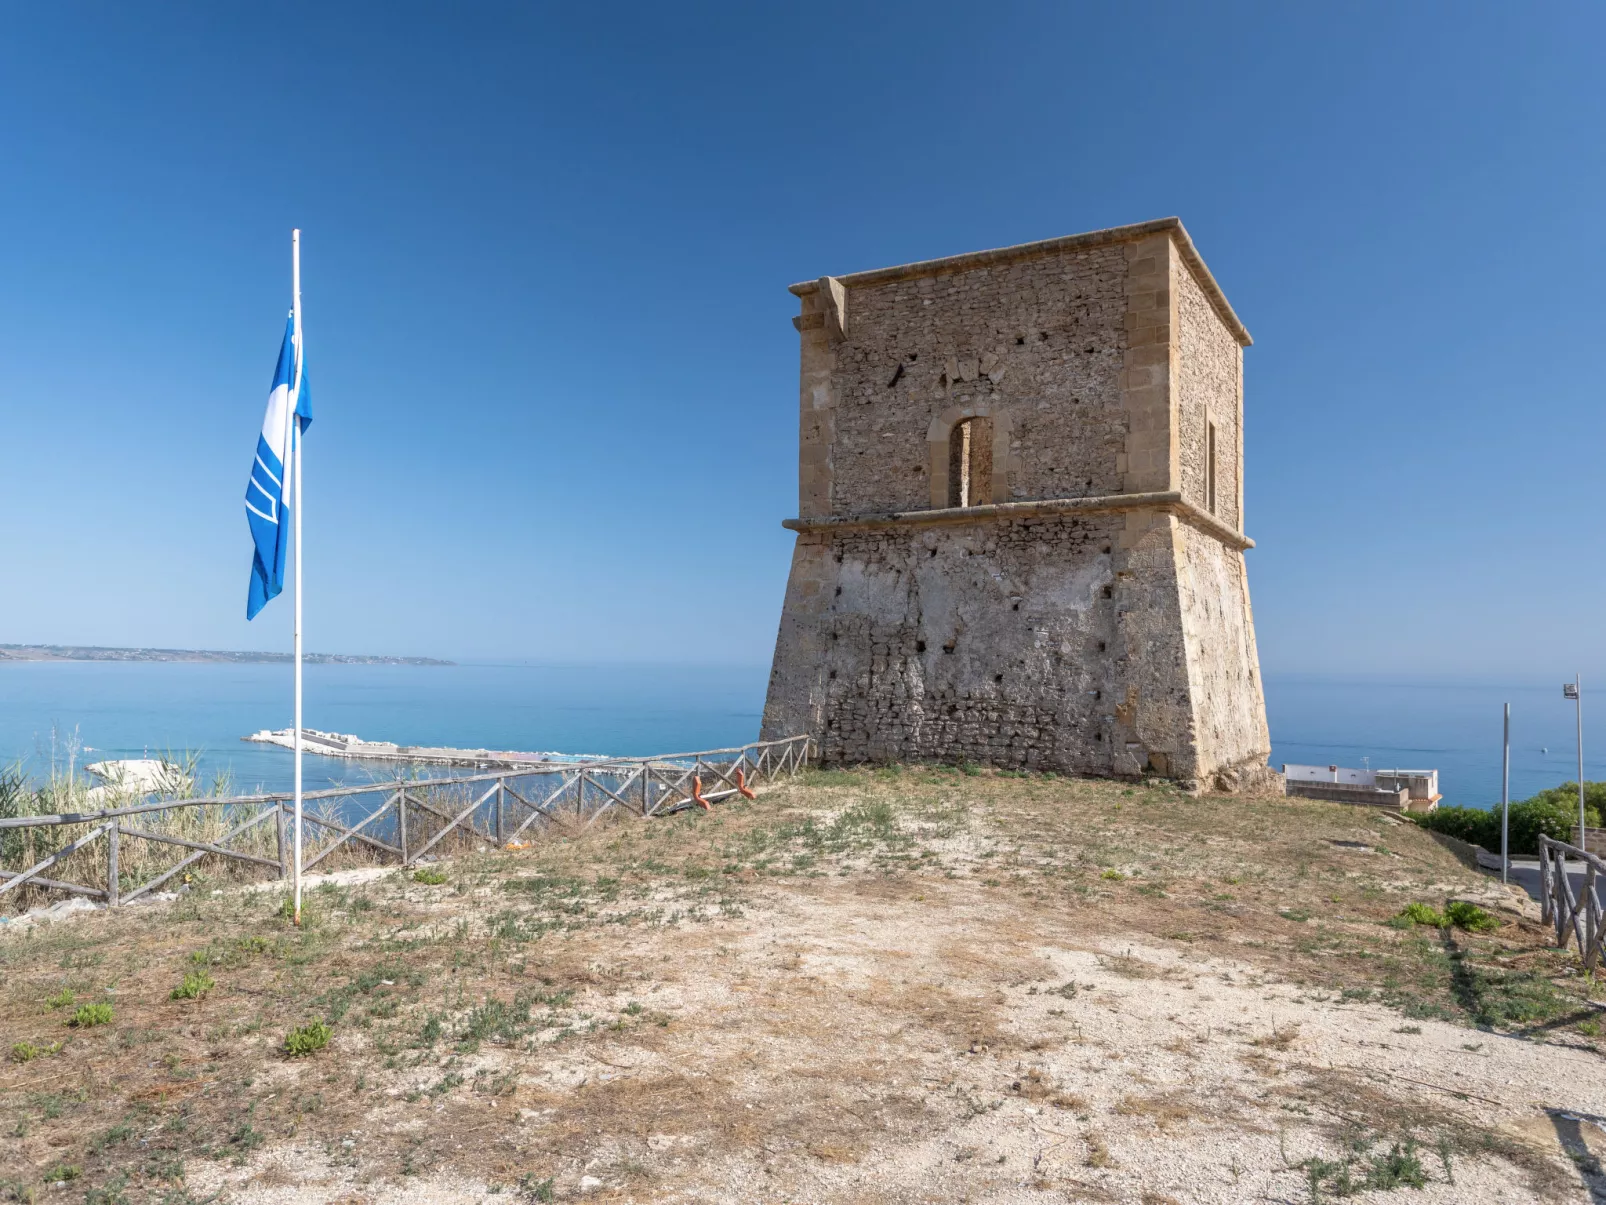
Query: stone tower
1020,516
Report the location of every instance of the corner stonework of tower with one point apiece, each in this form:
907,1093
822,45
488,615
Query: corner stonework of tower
1020,517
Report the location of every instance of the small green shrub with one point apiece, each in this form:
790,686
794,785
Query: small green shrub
1400,1168
1466,915
195,986
63,1172
62,999
429,875
1113,875
538,1190
309,1039
1422,914
24,1052
90,1015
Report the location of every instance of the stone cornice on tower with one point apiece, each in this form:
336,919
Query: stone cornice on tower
1170,502
1093,238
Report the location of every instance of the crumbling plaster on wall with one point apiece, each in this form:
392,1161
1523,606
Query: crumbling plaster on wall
913,624
1223,664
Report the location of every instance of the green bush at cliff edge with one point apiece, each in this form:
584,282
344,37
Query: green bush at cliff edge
1553,813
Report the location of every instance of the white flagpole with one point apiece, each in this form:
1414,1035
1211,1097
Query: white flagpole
295,506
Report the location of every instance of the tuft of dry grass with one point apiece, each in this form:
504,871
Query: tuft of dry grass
1280,1038
1165,1110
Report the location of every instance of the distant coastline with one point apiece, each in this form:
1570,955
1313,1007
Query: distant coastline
73,652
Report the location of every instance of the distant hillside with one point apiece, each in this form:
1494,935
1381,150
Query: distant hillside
73,652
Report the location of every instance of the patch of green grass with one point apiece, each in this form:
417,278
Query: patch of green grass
118,1133
1417,913
111,1193
1399,1168
62,999
62,1173
1466,915
1115,876
429,876
308,1039
90,1015
24,1052
1501,998
540,1190
246,1139
195,986
1359,1171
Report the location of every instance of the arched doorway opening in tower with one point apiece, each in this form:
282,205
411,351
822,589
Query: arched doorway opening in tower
970,462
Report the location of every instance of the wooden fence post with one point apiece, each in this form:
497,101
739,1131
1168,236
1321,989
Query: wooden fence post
500,788
278,825
401,821
112,898
1587,903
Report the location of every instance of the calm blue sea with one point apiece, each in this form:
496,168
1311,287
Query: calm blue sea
130,710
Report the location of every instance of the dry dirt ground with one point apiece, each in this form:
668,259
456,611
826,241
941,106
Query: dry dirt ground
906,985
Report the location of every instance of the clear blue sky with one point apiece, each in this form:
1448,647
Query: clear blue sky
546,258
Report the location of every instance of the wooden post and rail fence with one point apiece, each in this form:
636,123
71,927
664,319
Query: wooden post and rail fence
1575,915
414,817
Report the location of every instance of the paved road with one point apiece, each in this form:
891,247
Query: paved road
1525,873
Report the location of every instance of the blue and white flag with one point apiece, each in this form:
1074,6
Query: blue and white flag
267,497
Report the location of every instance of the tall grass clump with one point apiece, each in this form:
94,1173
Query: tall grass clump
65,790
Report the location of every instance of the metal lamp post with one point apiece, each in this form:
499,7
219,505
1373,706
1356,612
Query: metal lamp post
1574,690
1505,803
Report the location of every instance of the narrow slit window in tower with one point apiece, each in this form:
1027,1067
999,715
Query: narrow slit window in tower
1210,467
970,462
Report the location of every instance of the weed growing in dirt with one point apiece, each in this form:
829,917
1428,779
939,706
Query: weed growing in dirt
1495,996
429,876
1464,914
538,1190
1417,913
90,1015
308,1039
195,986
1360,1171
24,1052
62,999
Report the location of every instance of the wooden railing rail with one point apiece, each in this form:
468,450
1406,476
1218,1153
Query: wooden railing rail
566,795
1576,916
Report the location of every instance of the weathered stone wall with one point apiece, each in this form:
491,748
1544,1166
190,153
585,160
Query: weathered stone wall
987,641
1041,338
1088,617
1209,372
